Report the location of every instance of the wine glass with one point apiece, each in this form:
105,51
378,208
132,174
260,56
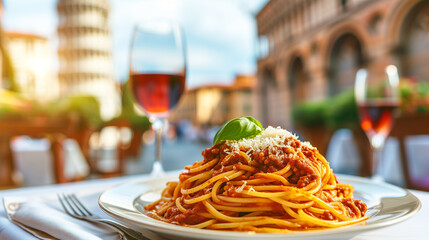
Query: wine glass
377,98
157,74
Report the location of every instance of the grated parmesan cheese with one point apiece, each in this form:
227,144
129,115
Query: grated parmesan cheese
271,138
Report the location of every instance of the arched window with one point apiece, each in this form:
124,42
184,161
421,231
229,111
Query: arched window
414,56
268,96
345,59
298,82
343,5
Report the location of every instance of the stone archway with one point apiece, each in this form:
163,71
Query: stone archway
268,95
345,58
414,42
298,81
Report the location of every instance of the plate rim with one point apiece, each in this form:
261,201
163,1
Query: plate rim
161,227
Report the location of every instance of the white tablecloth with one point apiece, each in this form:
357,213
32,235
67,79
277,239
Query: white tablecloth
416,227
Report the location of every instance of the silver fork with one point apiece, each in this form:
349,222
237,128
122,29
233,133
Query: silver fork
73,207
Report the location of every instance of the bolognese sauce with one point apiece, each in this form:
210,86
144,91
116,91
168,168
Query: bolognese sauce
270,183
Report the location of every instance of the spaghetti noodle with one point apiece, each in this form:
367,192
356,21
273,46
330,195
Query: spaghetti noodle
269,183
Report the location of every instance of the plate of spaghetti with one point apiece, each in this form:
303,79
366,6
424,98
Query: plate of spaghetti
266,186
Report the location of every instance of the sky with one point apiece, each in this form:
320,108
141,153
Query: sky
221,35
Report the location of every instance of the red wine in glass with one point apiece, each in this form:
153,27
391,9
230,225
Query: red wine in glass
157,74
157,93
377,97
377,117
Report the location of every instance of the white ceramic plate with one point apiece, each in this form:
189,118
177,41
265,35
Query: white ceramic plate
387,205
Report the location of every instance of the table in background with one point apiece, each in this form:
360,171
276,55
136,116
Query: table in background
55,131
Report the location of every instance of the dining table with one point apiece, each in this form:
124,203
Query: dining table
416,227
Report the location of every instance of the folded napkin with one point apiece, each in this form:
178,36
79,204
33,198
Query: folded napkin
46,219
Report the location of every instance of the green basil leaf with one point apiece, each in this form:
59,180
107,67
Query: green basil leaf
238,128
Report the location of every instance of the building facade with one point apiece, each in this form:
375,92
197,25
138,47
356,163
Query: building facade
85,53
32,59
311,49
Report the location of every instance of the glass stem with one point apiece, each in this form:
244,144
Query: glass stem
376,162
157,126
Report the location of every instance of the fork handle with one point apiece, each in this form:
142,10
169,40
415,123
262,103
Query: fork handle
126,230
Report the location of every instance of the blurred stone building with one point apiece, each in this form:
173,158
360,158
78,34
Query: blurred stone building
85,52
32,59
213,105
311,49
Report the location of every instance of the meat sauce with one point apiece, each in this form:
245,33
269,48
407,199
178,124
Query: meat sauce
265,162
190,217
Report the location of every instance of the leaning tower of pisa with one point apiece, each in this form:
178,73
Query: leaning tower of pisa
85,53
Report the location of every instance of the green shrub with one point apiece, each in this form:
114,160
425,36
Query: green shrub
414,97
342,111
85,107
138,121
310,114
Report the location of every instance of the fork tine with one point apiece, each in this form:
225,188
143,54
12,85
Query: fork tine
66,206
78,203
75,206
72,205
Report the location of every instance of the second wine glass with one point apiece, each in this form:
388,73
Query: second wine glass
377,98
157,74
